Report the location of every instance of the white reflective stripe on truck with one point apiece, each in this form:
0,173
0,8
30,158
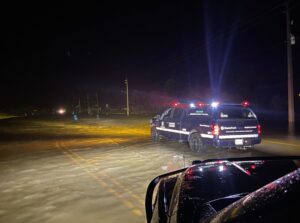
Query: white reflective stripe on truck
173,130
207,136
238,136
183,132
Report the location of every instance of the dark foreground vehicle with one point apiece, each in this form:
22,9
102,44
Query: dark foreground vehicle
228,190
202,125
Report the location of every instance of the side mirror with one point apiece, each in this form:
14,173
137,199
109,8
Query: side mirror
157,117
154,192
166,117
154,119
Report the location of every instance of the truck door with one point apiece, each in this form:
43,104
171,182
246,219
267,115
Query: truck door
163,124
174,123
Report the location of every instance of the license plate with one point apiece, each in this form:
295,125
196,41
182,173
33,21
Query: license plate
238,142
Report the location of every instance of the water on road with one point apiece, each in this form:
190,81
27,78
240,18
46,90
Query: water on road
92,171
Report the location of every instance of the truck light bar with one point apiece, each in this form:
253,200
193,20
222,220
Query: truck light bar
214,104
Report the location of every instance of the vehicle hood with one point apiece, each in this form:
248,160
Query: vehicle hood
213,185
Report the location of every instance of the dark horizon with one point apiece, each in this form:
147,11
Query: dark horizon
54,55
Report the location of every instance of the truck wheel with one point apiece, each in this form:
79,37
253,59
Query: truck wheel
154,134
196,143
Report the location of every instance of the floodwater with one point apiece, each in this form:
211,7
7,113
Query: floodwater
91,171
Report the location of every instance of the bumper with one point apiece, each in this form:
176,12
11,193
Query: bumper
233,143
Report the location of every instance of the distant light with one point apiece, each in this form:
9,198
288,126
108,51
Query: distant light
221,168
192,105
201,169
215,104
61,111
293,39
245,103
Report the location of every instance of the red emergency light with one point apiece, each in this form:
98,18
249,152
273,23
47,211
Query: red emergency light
245,103
177,104
200,104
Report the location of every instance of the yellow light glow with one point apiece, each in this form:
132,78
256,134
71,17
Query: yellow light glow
61,111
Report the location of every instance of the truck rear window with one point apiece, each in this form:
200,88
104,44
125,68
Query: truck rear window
235,113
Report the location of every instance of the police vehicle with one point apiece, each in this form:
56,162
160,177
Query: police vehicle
202,125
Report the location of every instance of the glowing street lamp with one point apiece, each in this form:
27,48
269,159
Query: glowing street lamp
61,111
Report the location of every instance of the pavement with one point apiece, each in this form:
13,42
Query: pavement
57,170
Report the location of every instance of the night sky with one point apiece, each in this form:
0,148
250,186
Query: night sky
57,53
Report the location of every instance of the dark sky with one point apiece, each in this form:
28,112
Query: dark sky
53,53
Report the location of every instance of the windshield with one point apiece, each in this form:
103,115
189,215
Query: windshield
228,182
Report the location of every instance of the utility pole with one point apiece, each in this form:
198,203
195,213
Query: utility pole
97,106
88,104
291,109
127,97
79,106
97,100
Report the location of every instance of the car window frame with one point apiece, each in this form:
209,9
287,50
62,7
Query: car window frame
163,115
173,112
218,111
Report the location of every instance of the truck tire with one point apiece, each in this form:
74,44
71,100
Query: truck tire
196,143
154,134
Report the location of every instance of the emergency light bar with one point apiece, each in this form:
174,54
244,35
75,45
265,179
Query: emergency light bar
192,105
187,104
214,104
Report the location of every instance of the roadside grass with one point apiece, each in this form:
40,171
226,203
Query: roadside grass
110,128
6,116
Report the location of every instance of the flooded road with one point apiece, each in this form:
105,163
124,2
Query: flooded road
91,171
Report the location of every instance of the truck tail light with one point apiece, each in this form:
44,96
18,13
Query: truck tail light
215,130
258,129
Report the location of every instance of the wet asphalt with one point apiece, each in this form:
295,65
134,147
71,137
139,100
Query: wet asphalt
58,170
